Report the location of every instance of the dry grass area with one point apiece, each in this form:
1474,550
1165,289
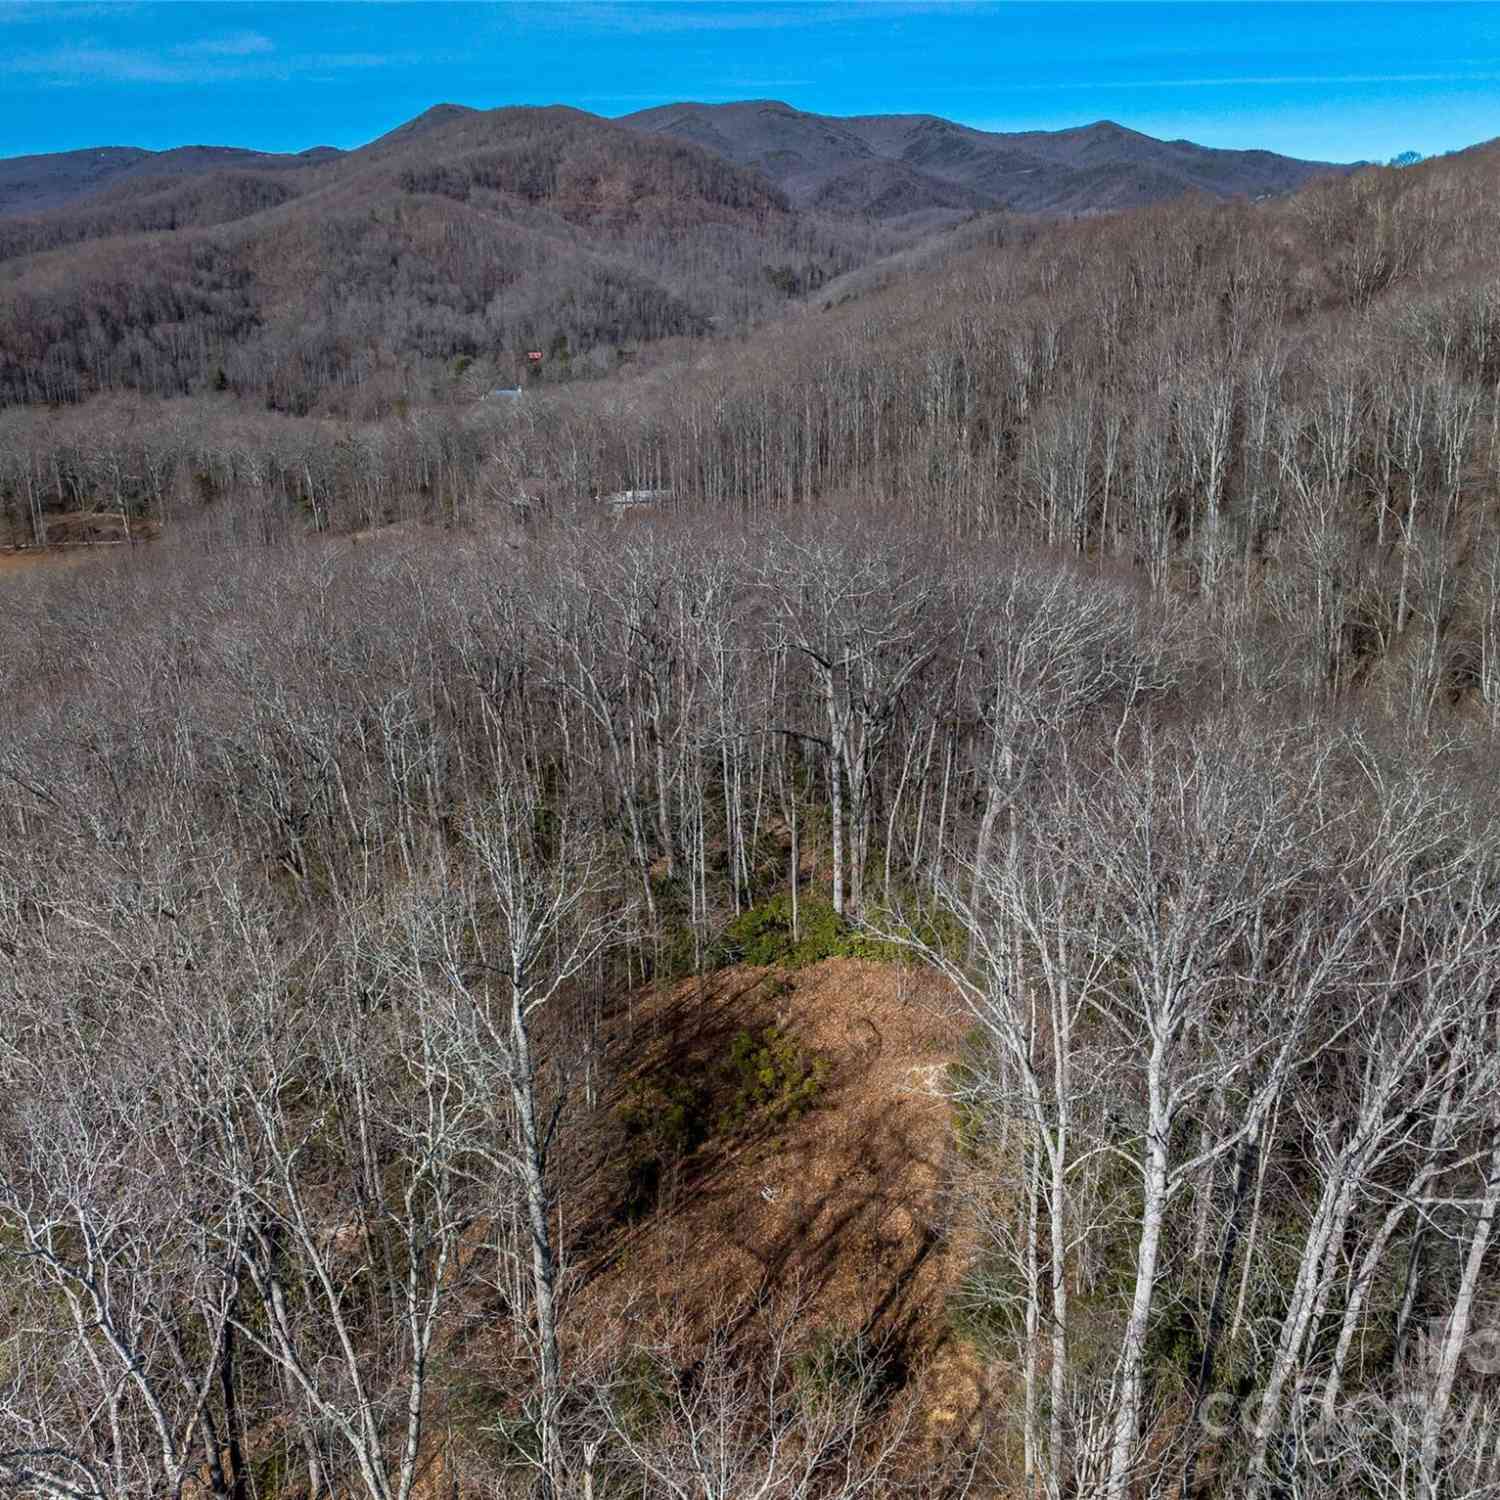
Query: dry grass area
845,1206
15,561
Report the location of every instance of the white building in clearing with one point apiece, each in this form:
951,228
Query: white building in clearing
623,500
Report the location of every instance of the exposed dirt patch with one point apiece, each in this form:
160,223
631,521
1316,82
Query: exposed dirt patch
844,1204
18,560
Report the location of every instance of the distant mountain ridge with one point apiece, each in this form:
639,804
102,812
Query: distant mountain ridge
35,184
886,166
874,166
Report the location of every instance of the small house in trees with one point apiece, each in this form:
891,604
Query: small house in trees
623,500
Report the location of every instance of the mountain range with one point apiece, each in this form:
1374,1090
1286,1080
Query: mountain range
468,234
888,166
883,166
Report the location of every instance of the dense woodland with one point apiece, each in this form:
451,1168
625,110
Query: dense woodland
1102,619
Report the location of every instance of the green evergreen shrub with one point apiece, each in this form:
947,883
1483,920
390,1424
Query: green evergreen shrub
775,1079
839,1362
763,935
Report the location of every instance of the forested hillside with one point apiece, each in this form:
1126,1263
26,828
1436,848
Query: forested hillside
906,904
461,236
480,235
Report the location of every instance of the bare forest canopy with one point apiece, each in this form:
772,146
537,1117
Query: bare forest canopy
461,236
327,880
469,235
1099,619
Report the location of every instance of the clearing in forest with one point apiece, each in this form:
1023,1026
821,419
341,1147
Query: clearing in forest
840,1199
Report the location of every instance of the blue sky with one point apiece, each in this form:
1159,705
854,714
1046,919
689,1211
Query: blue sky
1334,81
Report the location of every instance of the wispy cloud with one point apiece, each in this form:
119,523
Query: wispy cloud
240,44
34,12
239,56
85,64
645,18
